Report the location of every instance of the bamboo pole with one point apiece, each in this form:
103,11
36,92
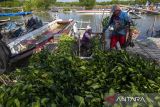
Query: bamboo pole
103,39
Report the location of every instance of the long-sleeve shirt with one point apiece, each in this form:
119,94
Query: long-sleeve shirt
119,23
86,37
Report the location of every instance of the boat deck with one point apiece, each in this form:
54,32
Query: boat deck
148,52
152,54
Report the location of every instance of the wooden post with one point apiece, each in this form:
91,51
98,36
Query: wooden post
103,34
103,40
79,45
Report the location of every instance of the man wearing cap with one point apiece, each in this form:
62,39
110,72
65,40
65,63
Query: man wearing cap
120,23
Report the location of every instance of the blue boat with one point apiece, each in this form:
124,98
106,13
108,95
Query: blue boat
15,14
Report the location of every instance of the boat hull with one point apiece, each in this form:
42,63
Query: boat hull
48,34
153,12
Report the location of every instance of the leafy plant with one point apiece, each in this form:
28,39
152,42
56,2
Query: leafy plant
105,21
60,79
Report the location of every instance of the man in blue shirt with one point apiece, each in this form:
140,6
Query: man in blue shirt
119,23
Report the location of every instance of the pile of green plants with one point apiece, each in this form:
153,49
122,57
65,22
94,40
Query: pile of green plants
61,79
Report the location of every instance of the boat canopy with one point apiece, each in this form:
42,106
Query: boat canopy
15,14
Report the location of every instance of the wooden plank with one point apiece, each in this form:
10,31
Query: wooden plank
148,52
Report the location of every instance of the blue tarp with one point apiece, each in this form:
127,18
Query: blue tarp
15,14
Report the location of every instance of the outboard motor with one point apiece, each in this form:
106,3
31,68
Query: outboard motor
14,34
5,55
33,23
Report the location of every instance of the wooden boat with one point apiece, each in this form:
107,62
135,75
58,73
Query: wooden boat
34,41
5,20
153,12
147,11
94,11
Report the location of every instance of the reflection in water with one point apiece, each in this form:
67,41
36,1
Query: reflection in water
146,23
95,21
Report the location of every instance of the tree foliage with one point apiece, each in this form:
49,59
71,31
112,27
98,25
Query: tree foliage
89,4
42,4
38,4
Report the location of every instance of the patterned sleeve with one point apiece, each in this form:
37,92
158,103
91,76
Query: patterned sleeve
127,18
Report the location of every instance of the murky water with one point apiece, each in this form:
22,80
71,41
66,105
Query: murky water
146,23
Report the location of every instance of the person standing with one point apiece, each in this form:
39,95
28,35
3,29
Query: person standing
119,22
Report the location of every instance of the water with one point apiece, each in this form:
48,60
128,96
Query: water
143,24
146,23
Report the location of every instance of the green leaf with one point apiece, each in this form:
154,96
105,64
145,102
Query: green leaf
95,100
157,98
89,96
150,81
65,100
10,102
131,69
44,101
135,104
150,105
16,101
36,104
158,103
111,91
2,97
45,75
89,82
95,86
59,94
124,78
53,104
83,67
79,99
119,68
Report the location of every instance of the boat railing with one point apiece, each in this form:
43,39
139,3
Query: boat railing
30,36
